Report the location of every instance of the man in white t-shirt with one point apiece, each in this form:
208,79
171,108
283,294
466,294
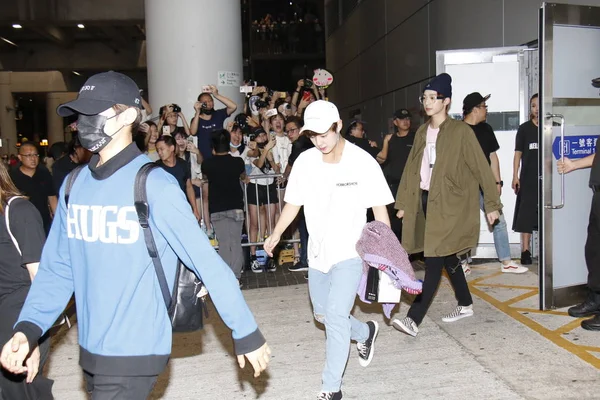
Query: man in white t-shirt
336,182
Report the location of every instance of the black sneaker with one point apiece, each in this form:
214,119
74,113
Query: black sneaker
591,324
366,350
298,267
526,258
590,307
330,396
271,265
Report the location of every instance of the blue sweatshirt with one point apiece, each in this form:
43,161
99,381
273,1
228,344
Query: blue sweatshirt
96,249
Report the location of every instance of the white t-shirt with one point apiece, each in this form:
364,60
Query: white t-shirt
282,151
335,199
429,157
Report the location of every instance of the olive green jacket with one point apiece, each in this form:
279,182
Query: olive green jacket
453,214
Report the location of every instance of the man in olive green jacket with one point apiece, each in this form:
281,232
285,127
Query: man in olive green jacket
440,205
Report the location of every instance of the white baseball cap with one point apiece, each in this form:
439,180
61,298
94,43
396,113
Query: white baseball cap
319,116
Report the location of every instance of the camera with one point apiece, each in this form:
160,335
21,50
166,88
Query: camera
261,104
240,120
308,83
176,108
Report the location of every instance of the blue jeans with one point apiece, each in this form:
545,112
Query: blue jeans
500,233
332,295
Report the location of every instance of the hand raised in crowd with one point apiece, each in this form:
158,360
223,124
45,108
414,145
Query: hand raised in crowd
566,166
271,143
259,359
250,121
197,106
388,137
400,214
258,90
303,104
144,127
372,143
252,145
230,125
191,147
14,353
213,90
300,83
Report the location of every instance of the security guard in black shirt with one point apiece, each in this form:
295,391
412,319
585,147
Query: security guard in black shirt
591,306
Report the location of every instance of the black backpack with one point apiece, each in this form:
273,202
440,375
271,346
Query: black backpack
186,306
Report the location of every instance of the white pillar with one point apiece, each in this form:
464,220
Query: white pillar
56,131
188,42
8,124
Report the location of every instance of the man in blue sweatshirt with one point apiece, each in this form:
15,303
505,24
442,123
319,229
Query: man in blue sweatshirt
96,249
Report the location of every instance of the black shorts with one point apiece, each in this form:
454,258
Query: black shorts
262,194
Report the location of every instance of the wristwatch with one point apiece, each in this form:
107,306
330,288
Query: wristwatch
501,183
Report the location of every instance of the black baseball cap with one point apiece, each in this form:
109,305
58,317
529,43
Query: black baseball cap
102,91
474,99
402,114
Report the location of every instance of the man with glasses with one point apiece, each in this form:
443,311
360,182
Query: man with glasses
35,182
475,115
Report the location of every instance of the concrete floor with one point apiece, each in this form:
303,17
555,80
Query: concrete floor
507,350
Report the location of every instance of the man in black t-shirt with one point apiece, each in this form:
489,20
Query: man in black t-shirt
475,114
591,306
35,182
393,156
226,199
165,146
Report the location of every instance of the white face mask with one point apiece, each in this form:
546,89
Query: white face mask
234,146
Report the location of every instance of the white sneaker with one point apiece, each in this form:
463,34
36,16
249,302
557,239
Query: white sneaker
459,312
514,268
406,325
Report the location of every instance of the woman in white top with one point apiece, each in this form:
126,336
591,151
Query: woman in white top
336,182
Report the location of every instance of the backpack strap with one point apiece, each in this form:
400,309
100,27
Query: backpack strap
140,197
71,180
7,220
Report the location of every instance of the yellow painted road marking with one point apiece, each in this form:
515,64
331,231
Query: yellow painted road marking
576,323
536,311
500,285
521,297
554,337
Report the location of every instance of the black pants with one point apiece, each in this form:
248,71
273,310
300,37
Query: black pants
395,222
104,387
14,387
592,246
433,276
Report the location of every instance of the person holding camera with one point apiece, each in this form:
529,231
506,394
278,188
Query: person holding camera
169,116
207,119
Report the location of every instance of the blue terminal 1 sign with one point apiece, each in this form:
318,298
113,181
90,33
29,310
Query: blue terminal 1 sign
575,147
